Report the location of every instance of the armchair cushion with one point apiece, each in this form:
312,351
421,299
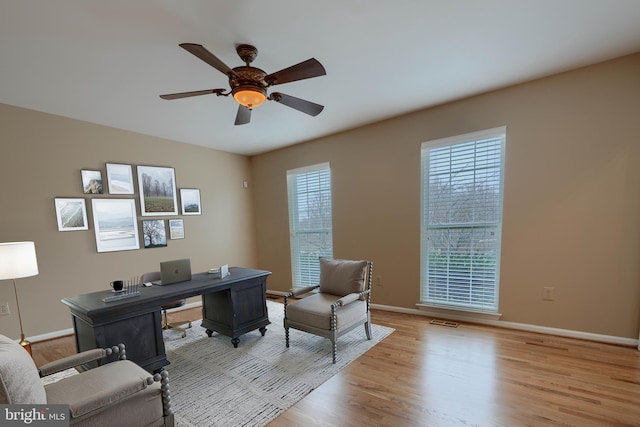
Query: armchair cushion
315,311
342,277
98,388
19,378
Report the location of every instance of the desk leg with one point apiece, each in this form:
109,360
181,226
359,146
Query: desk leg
236,340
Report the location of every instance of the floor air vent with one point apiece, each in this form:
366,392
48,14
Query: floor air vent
446,323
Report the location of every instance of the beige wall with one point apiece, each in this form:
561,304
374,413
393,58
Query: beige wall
571,207
571,204
41,158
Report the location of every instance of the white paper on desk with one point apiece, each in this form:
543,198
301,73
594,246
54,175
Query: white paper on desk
224,271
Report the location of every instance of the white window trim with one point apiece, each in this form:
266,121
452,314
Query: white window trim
442,309
292,232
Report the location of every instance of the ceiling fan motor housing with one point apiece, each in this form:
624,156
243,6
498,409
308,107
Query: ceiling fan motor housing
248,86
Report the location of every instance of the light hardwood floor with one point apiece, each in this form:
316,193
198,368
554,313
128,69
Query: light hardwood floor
472,375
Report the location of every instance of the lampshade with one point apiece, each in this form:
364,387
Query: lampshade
18,259
249,96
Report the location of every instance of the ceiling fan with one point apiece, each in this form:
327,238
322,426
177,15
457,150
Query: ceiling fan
249,85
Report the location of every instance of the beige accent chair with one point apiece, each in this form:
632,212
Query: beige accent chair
178,326
120,393
340,304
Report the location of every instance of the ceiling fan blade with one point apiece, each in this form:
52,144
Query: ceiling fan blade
208,57
193,93
244,115
308,107
304,70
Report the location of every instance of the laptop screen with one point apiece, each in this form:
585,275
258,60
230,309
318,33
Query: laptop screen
174,271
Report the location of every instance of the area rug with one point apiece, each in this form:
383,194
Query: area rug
214,384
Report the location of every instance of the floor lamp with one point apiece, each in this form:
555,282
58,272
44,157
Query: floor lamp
17,260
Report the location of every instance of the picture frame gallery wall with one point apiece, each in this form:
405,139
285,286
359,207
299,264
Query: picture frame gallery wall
115,219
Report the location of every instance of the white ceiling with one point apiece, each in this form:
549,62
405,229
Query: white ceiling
106,61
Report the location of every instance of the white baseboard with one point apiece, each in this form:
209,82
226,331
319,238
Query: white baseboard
70,331
609,339
186,306
50,335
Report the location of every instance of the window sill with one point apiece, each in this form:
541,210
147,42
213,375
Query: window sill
456,314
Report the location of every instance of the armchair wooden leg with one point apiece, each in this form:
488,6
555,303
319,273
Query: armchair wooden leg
367,329
284,321
286,334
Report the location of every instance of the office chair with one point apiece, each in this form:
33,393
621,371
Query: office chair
177,326
340,305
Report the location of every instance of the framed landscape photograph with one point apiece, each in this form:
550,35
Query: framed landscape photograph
154,233
190,198
71,214
176,229
119,178
91,181
157,191
115,224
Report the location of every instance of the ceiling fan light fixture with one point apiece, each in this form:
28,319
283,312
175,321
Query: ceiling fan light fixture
249,96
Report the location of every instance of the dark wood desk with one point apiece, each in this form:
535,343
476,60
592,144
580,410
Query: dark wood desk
231,306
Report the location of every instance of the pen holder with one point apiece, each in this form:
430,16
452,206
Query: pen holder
130,288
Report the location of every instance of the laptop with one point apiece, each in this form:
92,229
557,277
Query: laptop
175,271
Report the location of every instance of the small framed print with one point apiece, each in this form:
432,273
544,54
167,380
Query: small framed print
190,199
71,214
154,233
176,229
91,181
119,178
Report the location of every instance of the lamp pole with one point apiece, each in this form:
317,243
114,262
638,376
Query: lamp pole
23,341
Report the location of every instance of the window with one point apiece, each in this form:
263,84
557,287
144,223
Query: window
462,187
309,221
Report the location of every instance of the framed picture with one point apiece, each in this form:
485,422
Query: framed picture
157,191
176,229
190,198
71,214
153,233
91,181
115,224
119,178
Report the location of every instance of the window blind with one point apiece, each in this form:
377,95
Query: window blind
310,221
462,192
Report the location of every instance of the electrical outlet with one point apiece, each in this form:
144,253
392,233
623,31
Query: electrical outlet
378,281
4,309
547,293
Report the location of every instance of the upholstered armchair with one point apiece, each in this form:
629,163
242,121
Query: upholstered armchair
120,393
340,304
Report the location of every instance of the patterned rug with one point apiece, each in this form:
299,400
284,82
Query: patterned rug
213,384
